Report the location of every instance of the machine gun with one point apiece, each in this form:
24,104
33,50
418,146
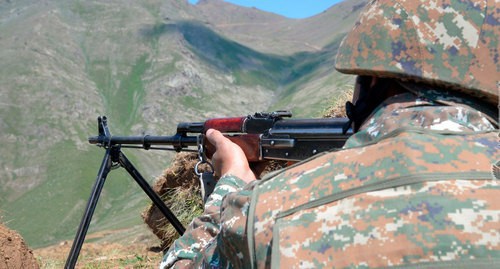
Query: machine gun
262,136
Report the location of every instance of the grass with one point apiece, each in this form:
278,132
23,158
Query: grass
100,255
336,107
65,197
248,66
186,211
116,59
123,94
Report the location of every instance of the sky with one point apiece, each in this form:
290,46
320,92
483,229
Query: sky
296,9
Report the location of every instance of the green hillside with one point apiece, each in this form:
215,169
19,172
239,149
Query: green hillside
147,65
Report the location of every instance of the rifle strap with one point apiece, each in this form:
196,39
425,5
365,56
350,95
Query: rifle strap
207,180
207,184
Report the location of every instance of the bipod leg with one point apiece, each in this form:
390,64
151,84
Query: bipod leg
125,163
89,210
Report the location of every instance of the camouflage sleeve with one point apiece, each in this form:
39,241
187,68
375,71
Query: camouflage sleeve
193,246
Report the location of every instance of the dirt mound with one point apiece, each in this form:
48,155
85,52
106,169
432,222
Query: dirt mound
14,253
177,183
179,188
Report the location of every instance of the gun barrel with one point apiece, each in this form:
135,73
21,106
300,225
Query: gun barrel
177,141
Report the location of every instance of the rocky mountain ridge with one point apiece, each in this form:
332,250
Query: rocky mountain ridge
147,65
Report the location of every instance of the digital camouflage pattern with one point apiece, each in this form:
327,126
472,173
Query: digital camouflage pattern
413,187
461,111
445,42
198,242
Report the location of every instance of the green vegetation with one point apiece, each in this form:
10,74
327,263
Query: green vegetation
249,66
147,66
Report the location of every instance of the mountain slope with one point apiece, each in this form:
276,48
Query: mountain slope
147,65
271,33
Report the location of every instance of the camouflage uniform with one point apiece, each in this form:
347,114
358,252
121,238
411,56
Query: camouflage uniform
413,187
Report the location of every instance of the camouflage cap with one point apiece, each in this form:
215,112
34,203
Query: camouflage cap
452,43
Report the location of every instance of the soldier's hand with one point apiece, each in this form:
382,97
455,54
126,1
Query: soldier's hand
228,158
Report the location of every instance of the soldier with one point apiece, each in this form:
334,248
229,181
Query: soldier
413,186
